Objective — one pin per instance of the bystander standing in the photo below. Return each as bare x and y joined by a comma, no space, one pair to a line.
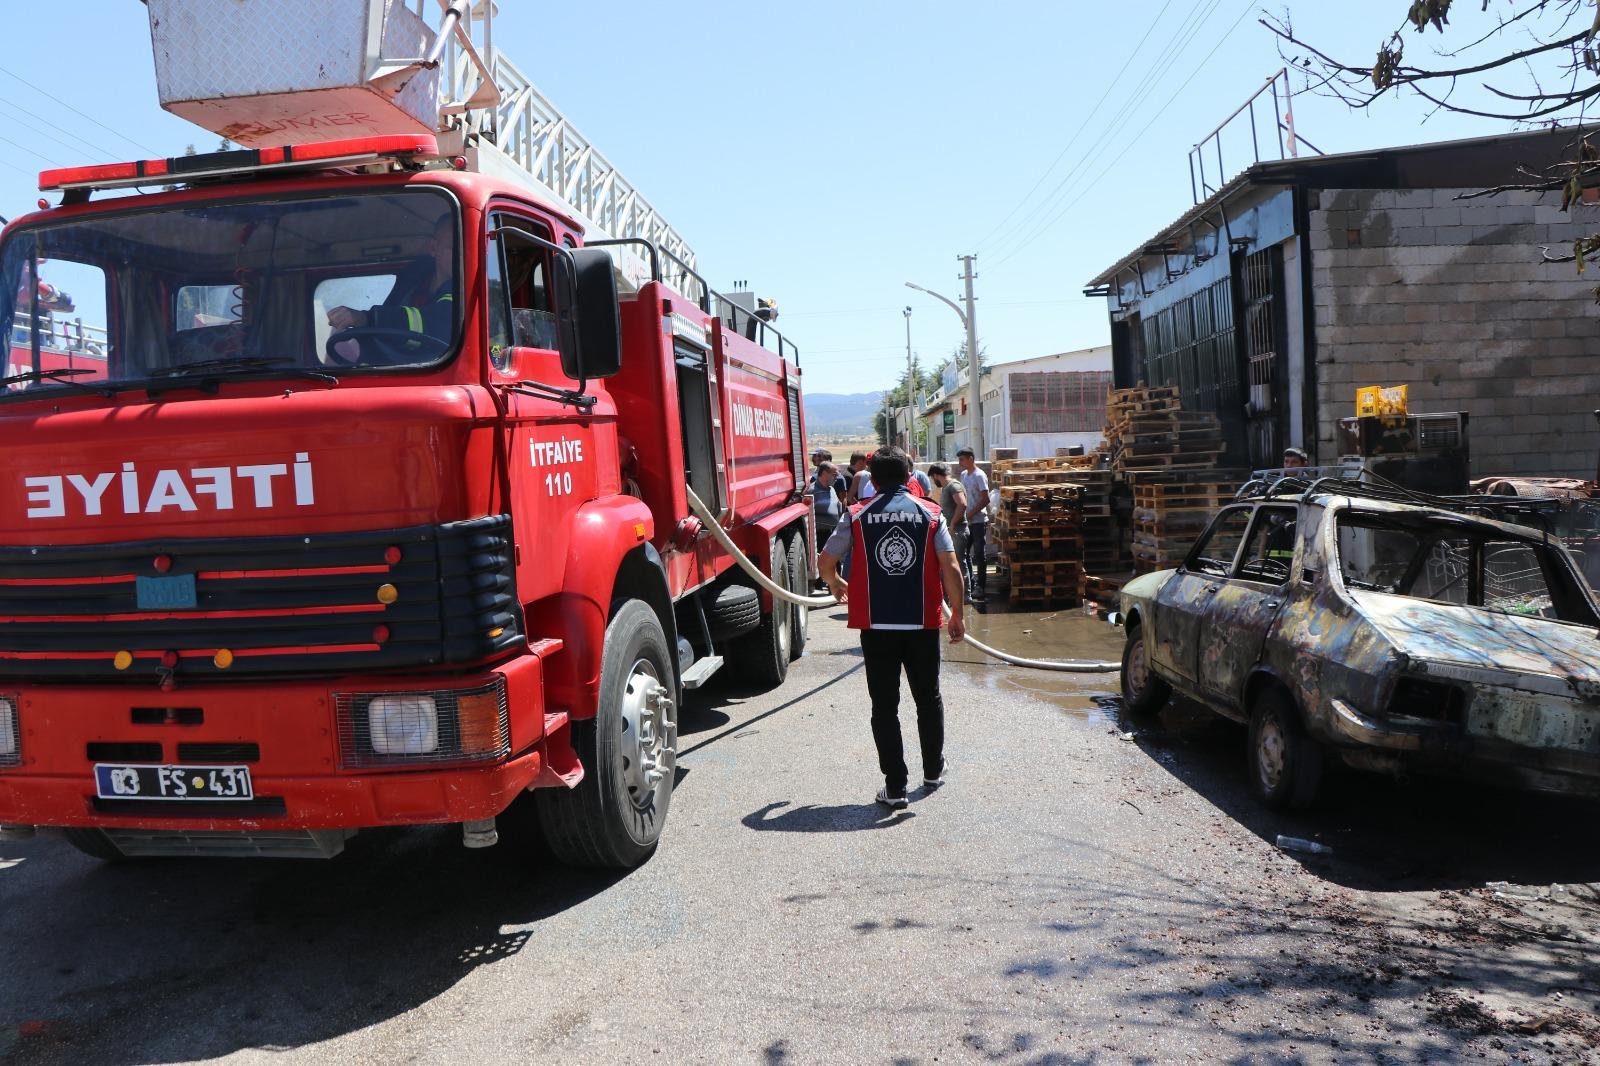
826,506
976,484
952,500
904,570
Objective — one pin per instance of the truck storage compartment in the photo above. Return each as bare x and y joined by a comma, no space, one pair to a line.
264,73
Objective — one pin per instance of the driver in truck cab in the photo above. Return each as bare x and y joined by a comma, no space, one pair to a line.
421,302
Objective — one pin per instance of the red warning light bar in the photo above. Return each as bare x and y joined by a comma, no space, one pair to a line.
320,155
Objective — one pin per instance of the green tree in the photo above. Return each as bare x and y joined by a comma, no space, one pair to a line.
927,385
957,361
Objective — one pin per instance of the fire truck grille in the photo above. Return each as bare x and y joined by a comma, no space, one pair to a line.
216,609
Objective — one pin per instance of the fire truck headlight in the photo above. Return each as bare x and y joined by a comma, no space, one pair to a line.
8,731
403,725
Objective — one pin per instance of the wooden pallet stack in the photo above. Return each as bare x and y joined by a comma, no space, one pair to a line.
1039,527
1171,509
1148,429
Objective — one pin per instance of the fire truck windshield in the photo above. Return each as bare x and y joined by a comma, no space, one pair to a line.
355,282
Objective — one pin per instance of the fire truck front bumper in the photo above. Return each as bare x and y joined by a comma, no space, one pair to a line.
279,758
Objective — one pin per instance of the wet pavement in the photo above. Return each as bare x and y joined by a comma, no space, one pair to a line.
1079,891
1063,634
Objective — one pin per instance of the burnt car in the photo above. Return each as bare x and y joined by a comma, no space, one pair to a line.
1388,631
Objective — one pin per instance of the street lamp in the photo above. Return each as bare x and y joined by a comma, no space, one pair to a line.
911,392
975,389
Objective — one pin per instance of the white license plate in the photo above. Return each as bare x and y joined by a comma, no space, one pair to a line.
173,783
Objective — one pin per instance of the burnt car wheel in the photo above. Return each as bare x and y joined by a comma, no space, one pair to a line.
1285,763
1143,693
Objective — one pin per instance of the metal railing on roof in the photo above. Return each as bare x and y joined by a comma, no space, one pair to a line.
1281,132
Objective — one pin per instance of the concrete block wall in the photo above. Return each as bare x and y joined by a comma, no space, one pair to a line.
1450,297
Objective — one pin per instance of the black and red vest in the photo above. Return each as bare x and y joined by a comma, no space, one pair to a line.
894,570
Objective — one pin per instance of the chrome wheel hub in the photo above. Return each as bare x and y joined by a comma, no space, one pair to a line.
649,733
783,612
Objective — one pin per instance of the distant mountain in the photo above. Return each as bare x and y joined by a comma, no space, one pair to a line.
841,414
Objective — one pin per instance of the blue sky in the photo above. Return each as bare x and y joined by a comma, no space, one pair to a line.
832,151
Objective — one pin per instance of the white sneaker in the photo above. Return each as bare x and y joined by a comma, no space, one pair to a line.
894,803
937,779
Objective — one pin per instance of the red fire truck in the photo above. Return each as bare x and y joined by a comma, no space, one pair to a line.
376,513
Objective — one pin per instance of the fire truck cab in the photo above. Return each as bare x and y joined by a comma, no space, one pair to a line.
374,512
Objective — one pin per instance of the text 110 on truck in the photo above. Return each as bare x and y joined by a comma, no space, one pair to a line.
373,512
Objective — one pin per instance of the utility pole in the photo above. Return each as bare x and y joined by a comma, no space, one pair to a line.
975,396
911,394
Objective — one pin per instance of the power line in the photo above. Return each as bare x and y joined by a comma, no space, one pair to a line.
80,114
33,151
1045,226
1088,116
1192,24
22,111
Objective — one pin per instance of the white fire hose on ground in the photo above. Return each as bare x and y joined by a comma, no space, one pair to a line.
709,521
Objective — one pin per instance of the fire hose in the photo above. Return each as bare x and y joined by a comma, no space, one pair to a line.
709,521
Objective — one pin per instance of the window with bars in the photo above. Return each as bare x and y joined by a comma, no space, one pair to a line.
1060,402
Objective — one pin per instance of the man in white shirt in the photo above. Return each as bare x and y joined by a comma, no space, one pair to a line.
976,485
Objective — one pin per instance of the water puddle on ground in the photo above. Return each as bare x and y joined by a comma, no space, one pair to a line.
1063,634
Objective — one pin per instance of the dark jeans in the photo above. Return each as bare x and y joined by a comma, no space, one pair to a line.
977,563
885,652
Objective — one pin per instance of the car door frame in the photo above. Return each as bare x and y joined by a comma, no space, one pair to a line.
1239,618
1181,603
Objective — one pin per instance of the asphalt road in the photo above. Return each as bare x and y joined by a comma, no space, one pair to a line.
1075,893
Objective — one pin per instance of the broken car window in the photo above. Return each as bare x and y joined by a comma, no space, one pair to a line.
1373,558
1215,552
1450,562
1271,549
1513,579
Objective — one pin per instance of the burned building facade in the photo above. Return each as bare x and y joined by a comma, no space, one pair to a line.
1299,281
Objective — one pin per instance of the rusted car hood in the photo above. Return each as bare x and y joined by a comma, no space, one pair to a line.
1535,654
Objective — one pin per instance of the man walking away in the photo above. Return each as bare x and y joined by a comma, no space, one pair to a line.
953,505
904,567
976,484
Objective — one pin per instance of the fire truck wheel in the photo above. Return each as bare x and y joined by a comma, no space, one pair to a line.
799,581
763,654
94,843
615,816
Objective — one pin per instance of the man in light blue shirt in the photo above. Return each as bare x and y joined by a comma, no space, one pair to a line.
976,485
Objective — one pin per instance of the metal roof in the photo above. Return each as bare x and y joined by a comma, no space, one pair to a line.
1469,163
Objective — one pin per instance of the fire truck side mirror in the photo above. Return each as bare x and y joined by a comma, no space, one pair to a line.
591,289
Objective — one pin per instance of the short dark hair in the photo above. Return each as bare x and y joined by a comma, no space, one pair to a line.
826,467
938,470
966,451
889,467
857,457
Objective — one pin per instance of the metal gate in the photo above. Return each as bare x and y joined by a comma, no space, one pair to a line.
1192,345
1265,362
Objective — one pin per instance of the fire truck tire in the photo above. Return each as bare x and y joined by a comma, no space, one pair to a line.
614,818
94,843
735,610
763,655
799,581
